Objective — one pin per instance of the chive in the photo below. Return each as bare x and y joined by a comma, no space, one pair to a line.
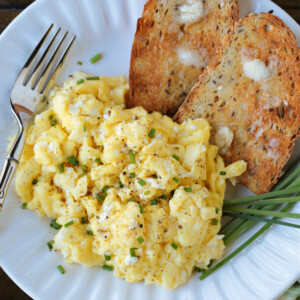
55,225
82,220
175,157
50,117
188,189
61,269
50,245
151,133
164,197
214,222
107,257
131,157
141,182
54,122
131,175
174,246
175,179
24,205
73,161
217,210
131,200
80,81
141,209
69,224
97,160
44,99
105,188
107,268
262,212
101,197
84,128
90,232
34,181
154,202
197,269
147,193
140,240
84,167
132,252
259,219
222,173
79,63
95,58
93,78
120,184
61,168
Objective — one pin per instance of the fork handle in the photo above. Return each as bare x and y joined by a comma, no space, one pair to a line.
6,176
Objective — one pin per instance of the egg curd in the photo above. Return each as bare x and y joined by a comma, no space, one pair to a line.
130,191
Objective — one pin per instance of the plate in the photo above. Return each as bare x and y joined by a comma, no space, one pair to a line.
262,271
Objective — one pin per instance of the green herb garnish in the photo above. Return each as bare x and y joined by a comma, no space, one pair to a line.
151,133
95,58
107,257
154,202
132,252
175,157
131,175
73,161
55,225
131,157
24,205
80,81
175,179
188,189
69,224
61,168
140,240
34,181
50,245
174,246
107,268
61,269
141,182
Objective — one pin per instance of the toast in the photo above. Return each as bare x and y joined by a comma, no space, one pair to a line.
174,42
250,95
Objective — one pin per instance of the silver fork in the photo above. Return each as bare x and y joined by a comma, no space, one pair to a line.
28,94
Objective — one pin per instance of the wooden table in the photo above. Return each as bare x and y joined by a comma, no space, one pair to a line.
9,9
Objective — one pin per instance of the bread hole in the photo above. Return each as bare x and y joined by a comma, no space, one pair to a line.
217,27
281,111
182,28
273,51
279,74
223,104
289,112
216,99
268,27
219,6
267,62
156,11
213,115
166,11
147,43
293,85
152,24
207,115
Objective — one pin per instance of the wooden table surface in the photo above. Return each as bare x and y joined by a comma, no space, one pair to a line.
9,9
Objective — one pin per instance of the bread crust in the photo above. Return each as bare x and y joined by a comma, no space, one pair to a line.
263,115
158,80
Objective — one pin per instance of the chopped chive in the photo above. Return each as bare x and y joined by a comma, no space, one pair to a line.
34,181
132,252
141,209
131,175
120,184
214,221
84,167
69,224
151,133
197,269
164,197
79,63
107,257
105,188
131,200
131,157
61,269
61,168
80,81
84,128
174,246
107,268
90,231
141,182
95,58
175,179
217,210
50,117
188,189
24,205
93,78
55,225
97,160
73,161
101,197
154,202
222,173
50,245
175,157
82,220
147,193
44,99
54,122
140,239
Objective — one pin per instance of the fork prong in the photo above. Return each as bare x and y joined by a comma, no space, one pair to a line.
33,70
52,74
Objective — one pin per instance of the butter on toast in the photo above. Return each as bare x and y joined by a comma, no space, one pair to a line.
250,94
174,42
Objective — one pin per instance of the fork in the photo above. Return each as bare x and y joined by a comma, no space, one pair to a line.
29,94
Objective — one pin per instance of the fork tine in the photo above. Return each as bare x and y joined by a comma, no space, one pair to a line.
48,79
33,70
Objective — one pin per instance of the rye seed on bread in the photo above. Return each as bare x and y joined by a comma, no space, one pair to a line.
174,42
252,88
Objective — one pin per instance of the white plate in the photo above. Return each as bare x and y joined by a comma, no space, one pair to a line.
263,271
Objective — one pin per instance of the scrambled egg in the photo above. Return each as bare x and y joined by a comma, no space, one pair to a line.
132,191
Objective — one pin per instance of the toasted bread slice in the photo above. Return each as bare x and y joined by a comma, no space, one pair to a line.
252,89
174,42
